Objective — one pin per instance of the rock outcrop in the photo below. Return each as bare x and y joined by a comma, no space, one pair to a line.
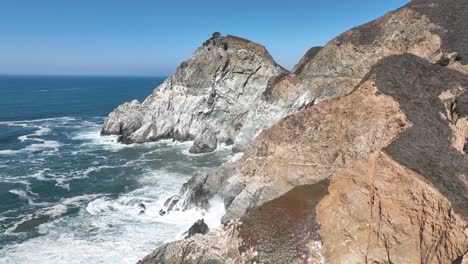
199,227
206,141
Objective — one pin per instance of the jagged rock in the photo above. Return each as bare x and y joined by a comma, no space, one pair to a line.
171,202
124,120
218,246
204,142
199,227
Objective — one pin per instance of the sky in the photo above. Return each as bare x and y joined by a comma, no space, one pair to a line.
152,37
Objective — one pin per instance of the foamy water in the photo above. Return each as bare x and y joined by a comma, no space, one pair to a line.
75,196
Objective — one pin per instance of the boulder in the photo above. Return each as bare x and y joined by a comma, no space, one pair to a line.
204,142
199,227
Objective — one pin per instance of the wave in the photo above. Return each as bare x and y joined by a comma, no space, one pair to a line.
20,122
45,144
61,208
109,230
109,227
64,89
39,132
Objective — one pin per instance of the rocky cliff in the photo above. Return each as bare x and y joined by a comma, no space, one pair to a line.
372,169
210,99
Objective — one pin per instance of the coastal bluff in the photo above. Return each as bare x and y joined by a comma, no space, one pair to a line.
358,155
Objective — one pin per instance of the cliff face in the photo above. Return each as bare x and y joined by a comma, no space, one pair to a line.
210,95
381,134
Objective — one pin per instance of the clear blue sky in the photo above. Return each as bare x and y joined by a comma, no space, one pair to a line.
152,37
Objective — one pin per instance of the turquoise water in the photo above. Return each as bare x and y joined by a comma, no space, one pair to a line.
68,195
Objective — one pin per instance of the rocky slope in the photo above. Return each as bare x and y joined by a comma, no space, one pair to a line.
398,189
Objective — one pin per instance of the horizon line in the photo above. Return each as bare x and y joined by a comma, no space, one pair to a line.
81,75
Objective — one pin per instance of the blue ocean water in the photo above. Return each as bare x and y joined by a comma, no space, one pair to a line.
69,195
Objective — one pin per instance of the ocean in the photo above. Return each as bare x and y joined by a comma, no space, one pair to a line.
69,195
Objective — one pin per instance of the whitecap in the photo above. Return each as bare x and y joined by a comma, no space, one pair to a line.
61,208
39,132
21,193
24,123
45,144
23,138
7,152
56,210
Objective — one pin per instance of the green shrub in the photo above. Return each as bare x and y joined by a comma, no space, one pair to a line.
215,35
443,61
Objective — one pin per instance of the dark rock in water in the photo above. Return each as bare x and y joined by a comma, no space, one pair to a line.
162,212
229,141
205,142
171,202
31,225
194,193
199,227
142,207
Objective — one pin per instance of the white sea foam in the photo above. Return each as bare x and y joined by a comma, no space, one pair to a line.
56,210
25,123
112,230
93,138
45,144
61,208
107,229
39,132
7,152
23,138
21,193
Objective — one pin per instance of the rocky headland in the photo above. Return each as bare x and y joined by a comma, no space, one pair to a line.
358,155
